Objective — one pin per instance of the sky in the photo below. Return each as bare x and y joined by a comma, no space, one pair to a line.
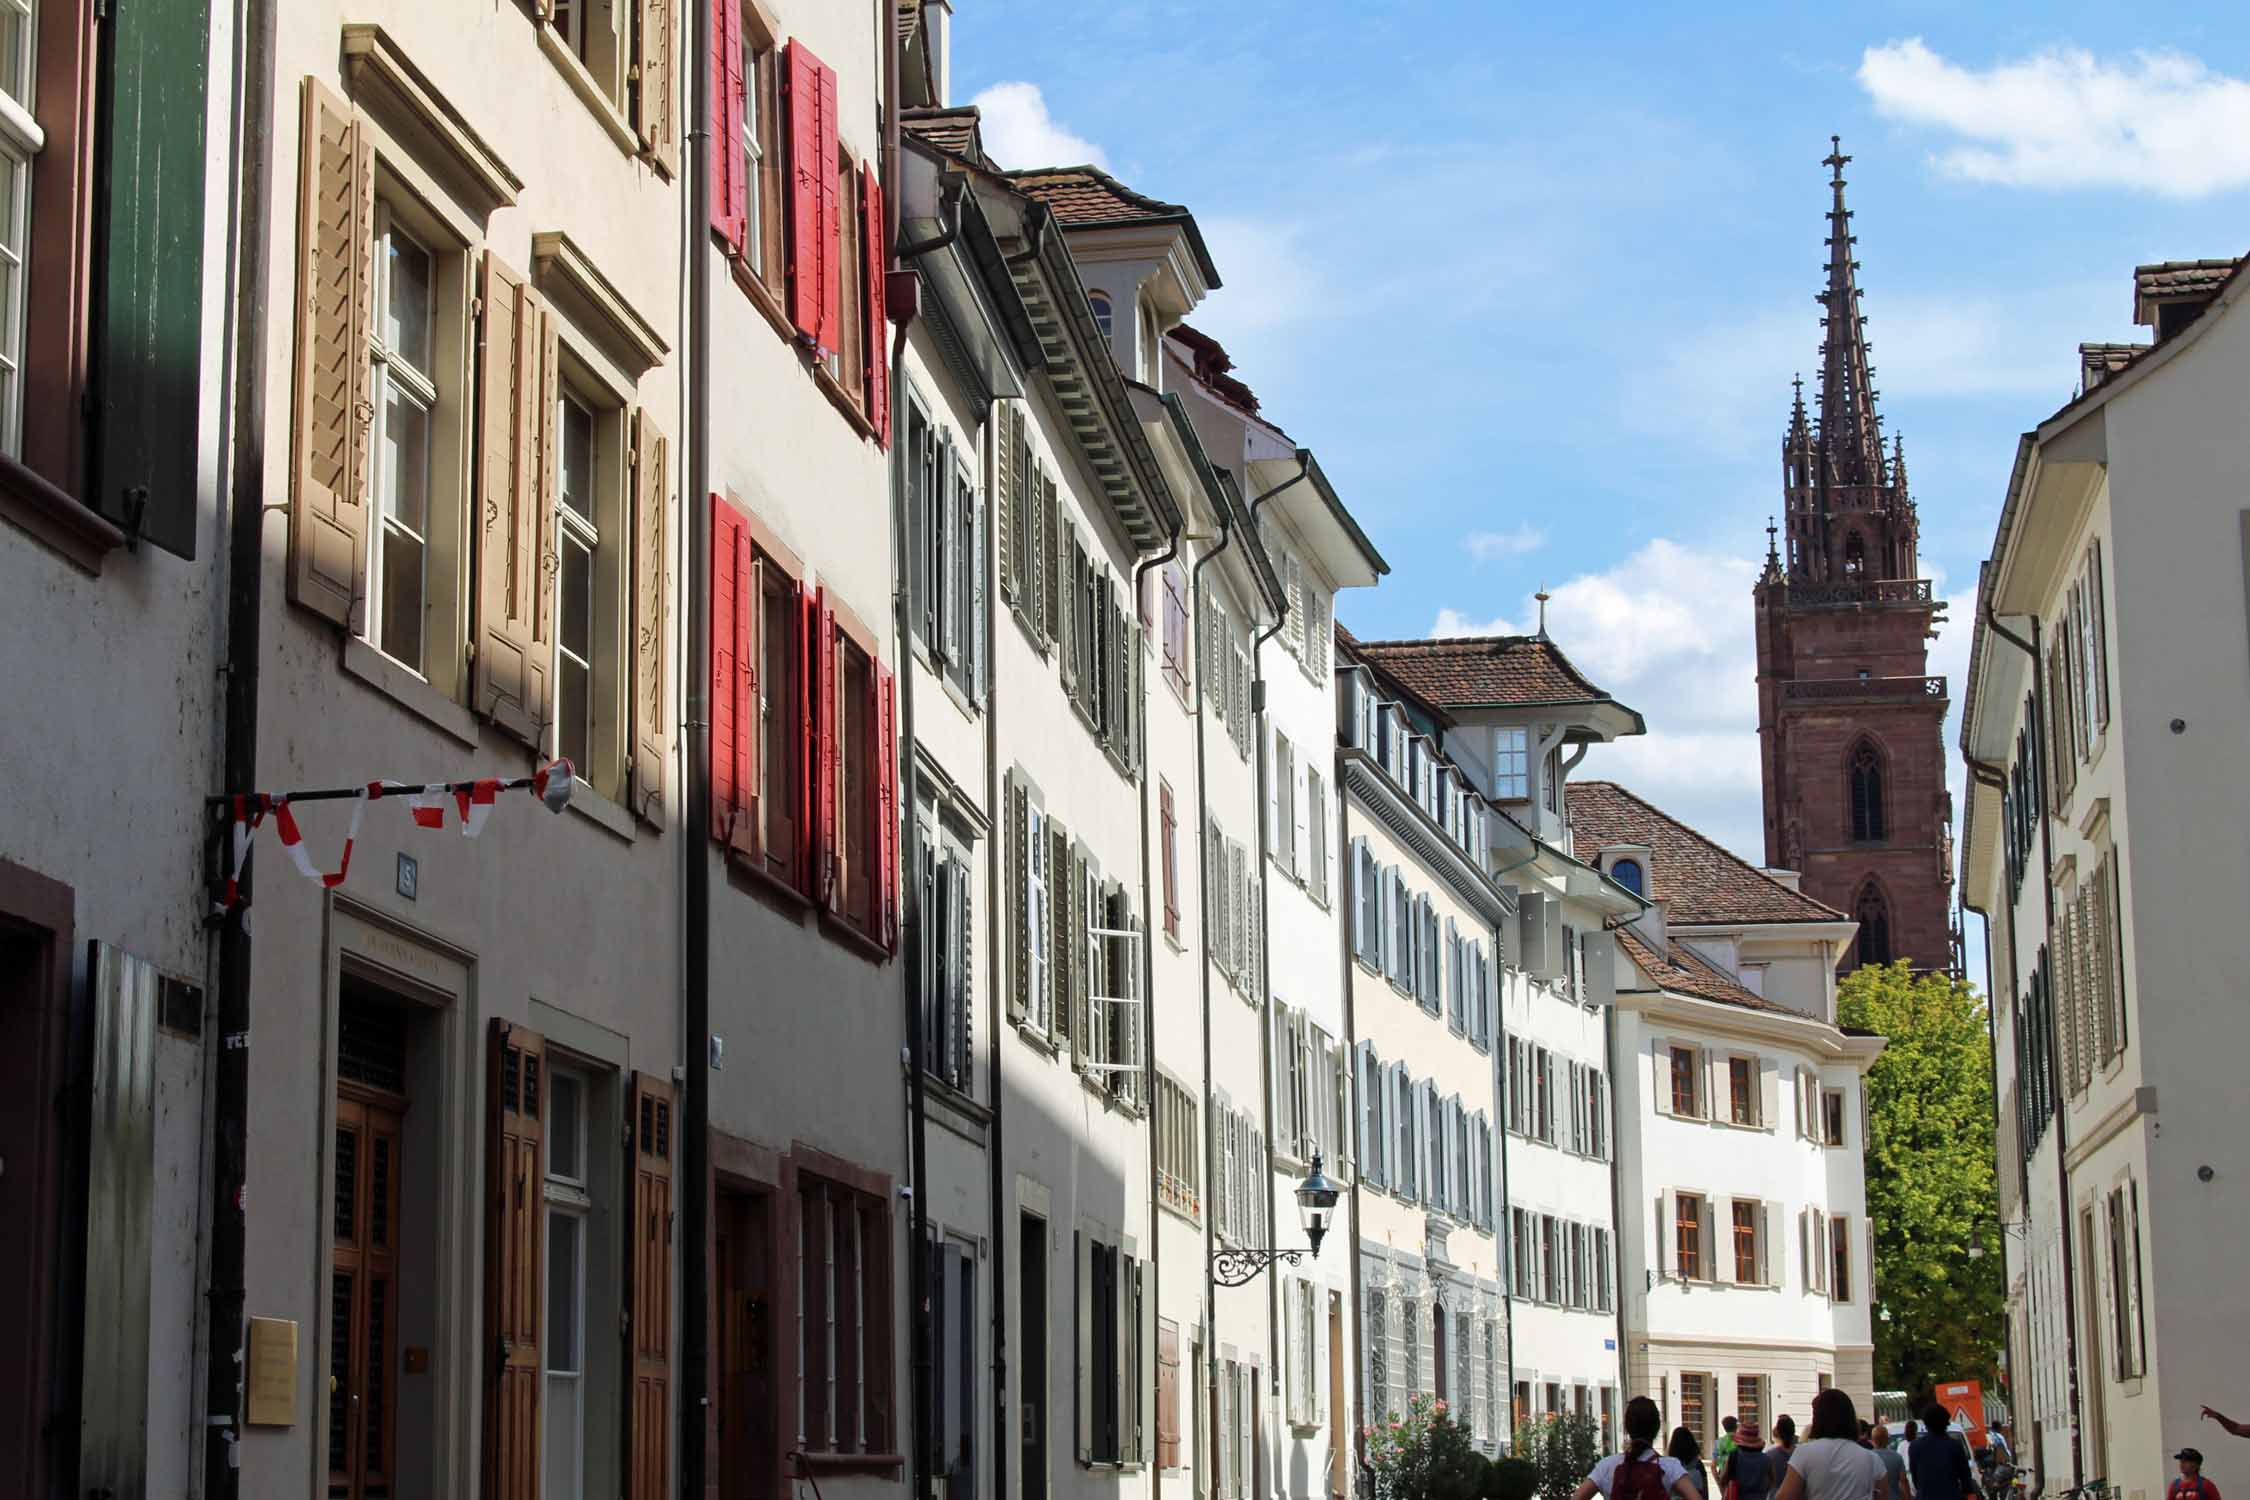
1532,281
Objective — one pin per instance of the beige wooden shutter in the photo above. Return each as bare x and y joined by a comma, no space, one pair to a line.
514,1258
331,415
1004,493
1051,560
654,84
651,493
648,1289
514,559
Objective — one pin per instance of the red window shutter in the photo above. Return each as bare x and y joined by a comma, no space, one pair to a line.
728,629
832,268
514,1258
884,769
878,260
730,204
808,168
749,830
648,1292
821,749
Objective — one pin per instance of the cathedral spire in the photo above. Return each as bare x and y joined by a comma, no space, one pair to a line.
1851,433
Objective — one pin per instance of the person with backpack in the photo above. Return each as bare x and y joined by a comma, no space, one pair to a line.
2191,1485
1746,1475
1640,1472
1831,1464
1689,1452
1938,1460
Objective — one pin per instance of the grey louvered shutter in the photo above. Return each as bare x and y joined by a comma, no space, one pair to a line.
1058,932
1019,900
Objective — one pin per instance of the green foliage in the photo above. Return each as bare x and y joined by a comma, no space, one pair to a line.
1510,1478
1562,1449
1930,1183
1424,1455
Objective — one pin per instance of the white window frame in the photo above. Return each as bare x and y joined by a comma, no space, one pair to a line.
753,156
387,367
574,528
1511,763
21,140
571,1199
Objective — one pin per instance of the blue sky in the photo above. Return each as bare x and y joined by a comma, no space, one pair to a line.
1532,281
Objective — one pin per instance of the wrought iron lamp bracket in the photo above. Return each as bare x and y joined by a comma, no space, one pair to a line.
1241,1267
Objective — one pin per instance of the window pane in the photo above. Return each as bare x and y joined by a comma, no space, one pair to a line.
578,598
15,52
563,1234
406,311
403,481
565,1107
578,458
402,596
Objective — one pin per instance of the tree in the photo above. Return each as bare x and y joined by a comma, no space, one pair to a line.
1563,1447
1930,1186
1424,1455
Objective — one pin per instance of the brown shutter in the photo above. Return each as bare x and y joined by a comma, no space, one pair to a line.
648,1289
514,558
332,416
1004,494
514,1259
652,559
1167,1395
653,84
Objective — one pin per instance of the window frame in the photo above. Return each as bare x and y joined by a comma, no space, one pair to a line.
1686,1066
22,144
1745,1091
868,1376
389,368
1834,1130
1687,1235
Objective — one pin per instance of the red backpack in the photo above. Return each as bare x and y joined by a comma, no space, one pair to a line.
1639,1478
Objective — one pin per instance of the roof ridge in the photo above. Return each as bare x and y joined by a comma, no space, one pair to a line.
1702,838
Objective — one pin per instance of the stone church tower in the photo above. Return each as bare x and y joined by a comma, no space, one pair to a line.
1850,724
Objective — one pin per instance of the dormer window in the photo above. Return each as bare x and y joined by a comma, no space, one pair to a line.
1105,316
1629,874
1511,764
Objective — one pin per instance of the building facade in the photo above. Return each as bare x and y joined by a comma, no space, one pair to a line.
2102,613
1744,1116
1849,719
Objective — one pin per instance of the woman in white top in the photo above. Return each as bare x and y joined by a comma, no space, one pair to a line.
1625,1476
1830,1464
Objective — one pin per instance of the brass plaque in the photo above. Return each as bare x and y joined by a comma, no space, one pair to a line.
273,1372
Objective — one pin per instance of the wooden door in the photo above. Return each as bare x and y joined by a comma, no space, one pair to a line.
363,1294
749,1404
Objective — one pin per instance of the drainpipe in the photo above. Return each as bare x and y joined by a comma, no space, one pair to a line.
695,849
1149,919
2055,1080
995,909
1616,1190
1203,925
1259,773
246,507
1507,1224
1993,776
1351,1049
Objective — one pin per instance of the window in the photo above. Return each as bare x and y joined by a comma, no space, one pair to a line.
1111,1303
578,537
1695,1402
592,35
1832,1117
1742,1090
1867,794
578,1266
1687,1236
1745,1215
2127,1335
1282,781
843,1319
1169,820
1874,916
1511,764
1550,780
948,577
948,901
1855,556
1315,856
404,395
1840,1256
20,141
1686,1069
1303,1315
952,1280
1749,1398
1172,580
1628,873
1104,313
1552,1264
1179,1162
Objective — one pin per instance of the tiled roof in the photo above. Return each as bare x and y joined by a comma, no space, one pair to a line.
1685,972
1485,671
2177,281
1698,882
954,129
1087,197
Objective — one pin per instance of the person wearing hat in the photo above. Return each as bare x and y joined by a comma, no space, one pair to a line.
1747,1475
2191,1485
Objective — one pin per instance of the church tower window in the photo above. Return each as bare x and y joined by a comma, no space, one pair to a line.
1867,794
1874,915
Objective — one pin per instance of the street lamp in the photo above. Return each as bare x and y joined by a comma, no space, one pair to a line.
1316,1203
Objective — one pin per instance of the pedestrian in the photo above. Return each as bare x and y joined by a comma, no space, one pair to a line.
1996,1438
1894,1466
1746,1475
2191,1485
1938,1462
1784,1444
1689,1452
1830,1464
1725,1450
1640,1472
1866,1433
2239,1429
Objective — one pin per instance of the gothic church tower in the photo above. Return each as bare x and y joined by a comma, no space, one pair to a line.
1850,724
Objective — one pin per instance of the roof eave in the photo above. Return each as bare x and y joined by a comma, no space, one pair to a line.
1349,558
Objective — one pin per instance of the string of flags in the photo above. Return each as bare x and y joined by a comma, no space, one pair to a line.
469,802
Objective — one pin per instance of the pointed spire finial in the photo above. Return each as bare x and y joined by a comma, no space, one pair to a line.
1773,553
1835,159
1542,596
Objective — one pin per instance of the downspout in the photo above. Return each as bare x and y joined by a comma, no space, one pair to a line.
246,516
695,818
1260,773
1616,1189
1344,930
1986,774
1149,919
996,1184
2031,649
1203,925
1507,1224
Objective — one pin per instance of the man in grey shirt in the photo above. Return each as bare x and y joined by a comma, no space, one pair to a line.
1895,1485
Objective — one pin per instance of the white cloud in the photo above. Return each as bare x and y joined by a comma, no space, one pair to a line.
1268,277
2158,122
1667,631
1019,132
1485,546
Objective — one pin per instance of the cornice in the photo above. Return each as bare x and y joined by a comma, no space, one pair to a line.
1413,828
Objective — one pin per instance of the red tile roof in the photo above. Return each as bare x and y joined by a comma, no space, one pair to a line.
1488,671
1698,882
1685,972
955,129
1088,195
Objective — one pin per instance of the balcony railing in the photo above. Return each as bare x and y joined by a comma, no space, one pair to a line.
1862,689
1868,592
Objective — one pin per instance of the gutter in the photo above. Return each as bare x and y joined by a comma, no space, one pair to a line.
1260,773
695,847
254,25
2054,1061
